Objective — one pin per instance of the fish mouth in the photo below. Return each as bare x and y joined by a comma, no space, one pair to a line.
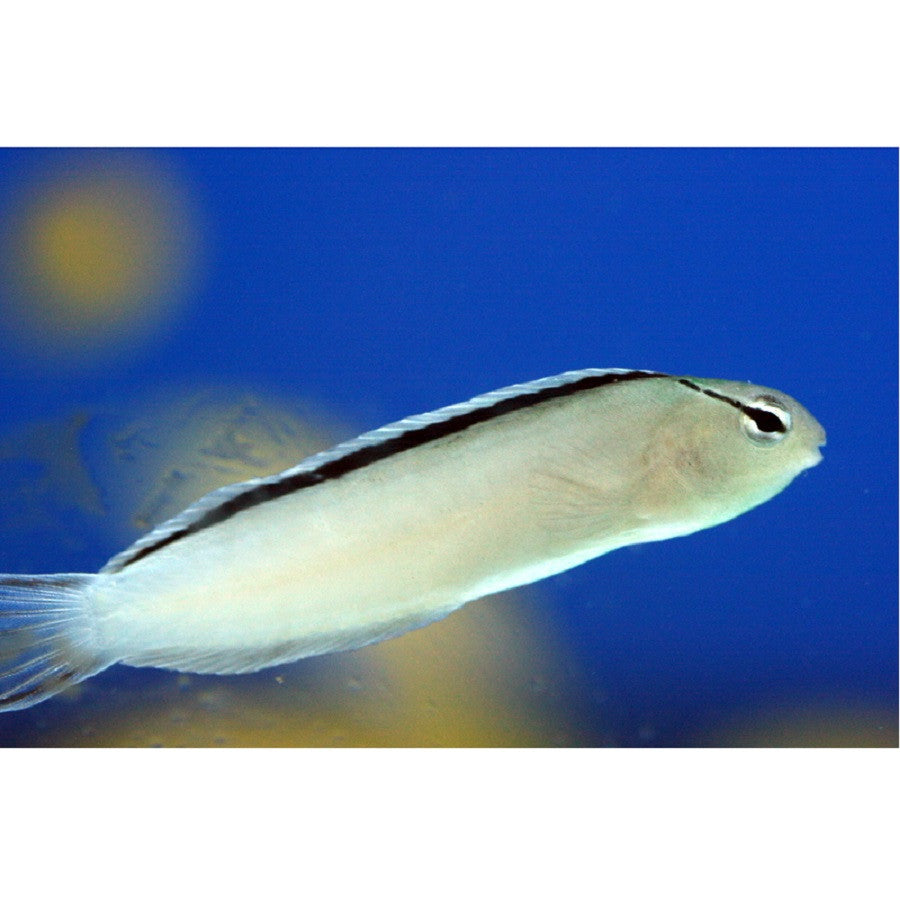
816,454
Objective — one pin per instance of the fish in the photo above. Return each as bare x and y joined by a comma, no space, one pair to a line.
400,526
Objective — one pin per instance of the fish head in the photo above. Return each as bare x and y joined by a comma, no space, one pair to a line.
725,447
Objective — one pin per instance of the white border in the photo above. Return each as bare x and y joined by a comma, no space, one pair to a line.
774,72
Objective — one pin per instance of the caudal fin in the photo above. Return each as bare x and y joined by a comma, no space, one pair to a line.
45,637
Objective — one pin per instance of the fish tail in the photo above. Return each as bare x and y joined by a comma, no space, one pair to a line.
46,637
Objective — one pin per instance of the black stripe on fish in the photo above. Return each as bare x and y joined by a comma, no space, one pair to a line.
366,455
765,420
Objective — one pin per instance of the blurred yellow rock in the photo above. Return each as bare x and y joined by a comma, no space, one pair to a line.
96,252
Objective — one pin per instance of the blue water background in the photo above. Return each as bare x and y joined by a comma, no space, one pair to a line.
381,283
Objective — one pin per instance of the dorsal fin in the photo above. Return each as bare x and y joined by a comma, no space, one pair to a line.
410,432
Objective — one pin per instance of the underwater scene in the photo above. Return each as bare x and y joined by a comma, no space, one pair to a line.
173,321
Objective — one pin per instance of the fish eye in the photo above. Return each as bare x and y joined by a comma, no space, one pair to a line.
765,421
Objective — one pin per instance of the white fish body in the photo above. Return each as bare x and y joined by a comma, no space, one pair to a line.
399,527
